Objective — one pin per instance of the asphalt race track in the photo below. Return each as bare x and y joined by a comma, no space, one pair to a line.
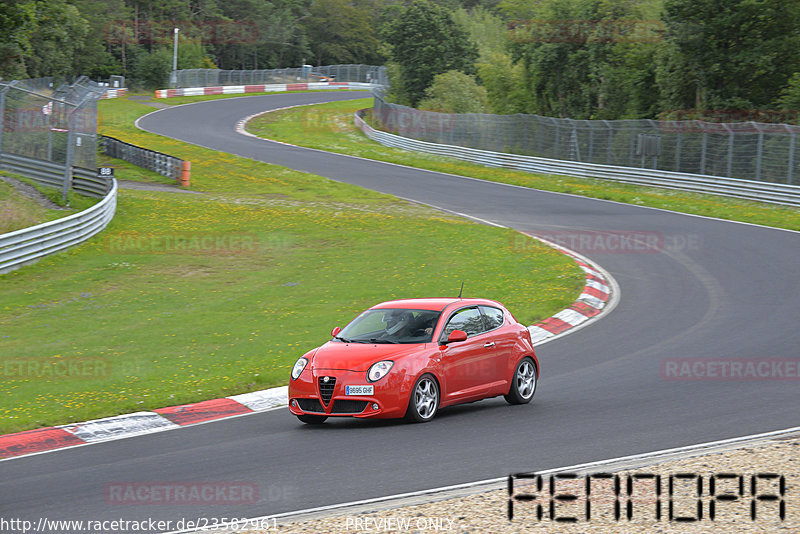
715,290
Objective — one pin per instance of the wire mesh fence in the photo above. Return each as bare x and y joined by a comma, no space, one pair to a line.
52,124
748,150
307,74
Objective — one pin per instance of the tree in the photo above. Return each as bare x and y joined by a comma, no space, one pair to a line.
18,22
586,59
455,92
425,42
734,53
790,96
60,31
485,29
340,32
505,84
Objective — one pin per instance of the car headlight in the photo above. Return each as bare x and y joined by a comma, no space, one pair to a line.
379,370
298,367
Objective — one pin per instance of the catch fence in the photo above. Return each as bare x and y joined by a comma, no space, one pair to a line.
49,133
339,73
762,152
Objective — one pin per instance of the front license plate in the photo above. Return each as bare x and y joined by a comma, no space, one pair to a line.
358,390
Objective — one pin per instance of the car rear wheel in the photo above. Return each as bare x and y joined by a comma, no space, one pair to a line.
523,385
312,419
424,401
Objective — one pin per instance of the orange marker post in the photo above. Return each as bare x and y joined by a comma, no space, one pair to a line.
183,181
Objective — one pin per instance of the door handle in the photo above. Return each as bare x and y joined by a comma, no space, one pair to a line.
488,345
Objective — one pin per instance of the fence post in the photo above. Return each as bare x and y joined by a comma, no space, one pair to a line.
3,113
558,135
730,150
632,147
760,151
68,162
703,152
791,158
678,151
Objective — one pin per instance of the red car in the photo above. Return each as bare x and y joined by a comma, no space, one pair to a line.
408,358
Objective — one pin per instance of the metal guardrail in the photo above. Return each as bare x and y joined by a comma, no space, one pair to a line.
84,181
732,187
163,164
30,244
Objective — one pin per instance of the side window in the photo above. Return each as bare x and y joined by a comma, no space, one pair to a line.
494,317
469,320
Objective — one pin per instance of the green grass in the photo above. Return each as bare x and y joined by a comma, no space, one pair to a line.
17,211
146,324
330,127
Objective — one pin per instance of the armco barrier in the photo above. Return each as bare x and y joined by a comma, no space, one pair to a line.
163,164
30,244
84,181
732,187
240,89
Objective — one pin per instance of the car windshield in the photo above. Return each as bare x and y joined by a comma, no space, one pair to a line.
393,325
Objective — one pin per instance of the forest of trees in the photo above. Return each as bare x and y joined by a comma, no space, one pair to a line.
584,59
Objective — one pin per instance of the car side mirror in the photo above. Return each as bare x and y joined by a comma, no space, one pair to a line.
335,331
457,336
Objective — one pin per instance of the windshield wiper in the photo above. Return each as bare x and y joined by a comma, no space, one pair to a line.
343,339
372,340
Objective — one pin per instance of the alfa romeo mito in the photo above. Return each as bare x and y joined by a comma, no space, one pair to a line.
409,358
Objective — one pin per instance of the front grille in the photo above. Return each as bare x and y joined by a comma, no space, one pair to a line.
348,406
310,405
326,389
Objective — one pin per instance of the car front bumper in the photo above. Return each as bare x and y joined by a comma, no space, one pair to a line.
310,394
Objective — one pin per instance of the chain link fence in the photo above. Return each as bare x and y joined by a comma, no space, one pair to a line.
337,73
42,126
748,150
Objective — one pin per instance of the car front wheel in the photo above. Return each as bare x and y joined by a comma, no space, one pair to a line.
523,385
312,419
424,400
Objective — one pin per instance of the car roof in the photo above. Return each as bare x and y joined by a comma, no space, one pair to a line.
437,304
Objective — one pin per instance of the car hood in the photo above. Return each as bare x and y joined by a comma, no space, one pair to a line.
359,356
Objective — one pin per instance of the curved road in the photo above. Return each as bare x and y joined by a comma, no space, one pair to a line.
731,294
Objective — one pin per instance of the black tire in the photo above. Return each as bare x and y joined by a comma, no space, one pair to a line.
424,401
523,384
312,419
